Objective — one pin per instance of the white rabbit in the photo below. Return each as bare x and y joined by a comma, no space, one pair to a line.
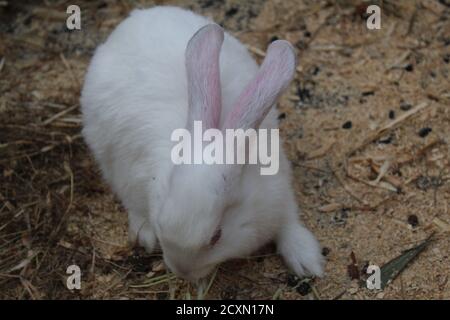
159,71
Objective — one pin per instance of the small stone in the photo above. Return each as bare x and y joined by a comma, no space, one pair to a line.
274,38
386,140
391,114
347,125
282,116
368,93
315,70
424,132
304,288
423,183
413,220
409,67
326,251
231,12
292,280
447,58
304,94
404,106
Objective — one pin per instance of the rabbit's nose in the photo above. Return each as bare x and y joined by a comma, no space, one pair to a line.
181,271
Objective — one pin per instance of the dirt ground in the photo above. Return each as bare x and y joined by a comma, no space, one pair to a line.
366,124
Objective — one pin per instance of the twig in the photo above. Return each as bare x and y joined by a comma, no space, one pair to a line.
256,51
348,189
59,114
412,20
2,63
115,283
421,152
213,277
72,74
70,173
399,61
390,126
45,149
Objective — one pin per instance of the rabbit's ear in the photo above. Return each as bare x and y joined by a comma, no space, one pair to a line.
203,76
261,93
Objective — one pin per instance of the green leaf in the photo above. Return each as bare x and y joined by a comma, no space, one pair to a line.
392,269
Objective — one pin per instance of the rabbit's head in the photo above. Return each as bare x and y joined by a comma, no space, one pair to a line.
202,219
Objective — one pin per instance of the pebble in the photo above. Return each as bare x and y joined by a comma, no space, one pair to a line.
386,140
447,58
304,288
326,251
413,220
231,12
274,38
391,114
368,93
405,106
292,280
409,67
347,125
424,132
282,116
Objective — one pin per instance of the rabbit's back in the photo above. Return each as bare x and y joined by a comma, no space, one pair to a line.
135,95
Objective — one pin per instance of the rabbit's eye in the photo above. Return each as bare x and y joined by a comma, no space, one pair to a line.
216,237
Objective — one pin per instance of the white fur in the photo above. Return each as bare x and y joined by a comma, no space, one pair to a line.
135,95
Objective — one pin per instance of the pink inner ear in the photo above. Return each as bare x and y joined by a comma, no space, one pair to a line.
203,76
274,76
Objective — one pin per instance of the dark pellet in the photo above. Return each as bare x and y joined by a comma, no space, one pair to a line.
409,67
315,70
368,93
274,38
304,94
304,288
282,116
391,114
413,220
231,12
424,132
447,58
292,280
423,183
207,3
405,106
386,140
307,34
347,125
326,251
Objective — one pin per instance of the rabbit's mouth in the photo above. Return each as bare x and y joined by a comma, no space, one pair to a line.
190,274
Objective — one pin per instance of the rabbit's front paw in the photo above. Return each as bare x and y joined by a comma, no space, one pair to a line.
301,250
141,233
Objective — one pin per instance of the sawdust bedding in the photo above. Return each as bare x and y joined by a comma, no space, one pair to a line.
365,124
